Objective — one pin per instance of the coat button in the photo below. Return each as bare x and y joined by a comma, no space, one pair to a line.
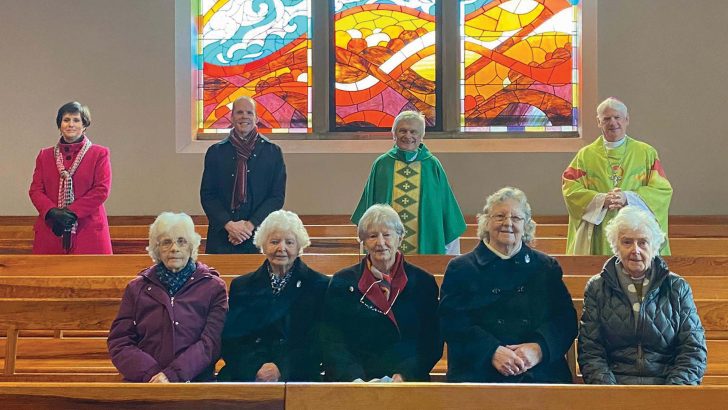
521,289
232,175
500,321
149,288
176,323
192,278
258,340
496,291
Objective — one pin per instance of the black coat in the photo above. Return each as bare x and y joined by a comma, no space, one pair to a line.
487,302
662,344
266,191
362,343
263,328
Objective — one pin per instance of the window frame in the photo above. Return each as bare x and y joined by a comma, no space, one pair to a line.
449,140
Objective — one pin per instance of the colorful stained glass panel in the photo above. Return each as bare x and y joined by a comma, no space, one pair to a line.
256,48
518,69
385,58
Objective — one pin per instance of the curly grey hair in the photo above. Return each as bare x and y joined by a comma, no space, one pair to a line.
282,221
501,195
173,225
634,218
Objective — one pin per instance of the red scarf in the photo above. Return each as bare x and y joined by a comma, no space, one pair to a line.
395,281
243,148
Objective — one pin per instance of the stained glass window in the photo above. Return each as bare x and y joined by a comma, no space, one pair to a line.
384,54
258,48
518,69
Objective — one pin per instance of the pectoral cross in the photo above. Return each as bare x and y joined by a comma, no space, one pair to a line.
615,179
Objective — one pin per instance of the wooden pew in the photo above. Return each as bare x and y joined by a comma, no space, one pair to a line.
352,396
48,283
350,245
44,314
128,265
140,232
60,396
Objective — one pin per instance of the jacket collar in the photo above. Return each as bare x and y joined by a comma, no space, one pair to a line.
201,271
659,266
261,137
485,256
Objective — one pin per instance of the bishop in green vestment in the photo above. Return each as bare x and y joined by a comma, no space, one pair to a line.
608,174
410,179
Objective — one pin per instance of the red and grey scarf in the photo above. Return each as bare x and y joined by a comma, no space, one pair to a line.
382,293
243,149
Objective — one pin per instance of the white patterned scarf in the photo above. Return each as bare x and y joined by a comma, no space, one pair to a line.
65,185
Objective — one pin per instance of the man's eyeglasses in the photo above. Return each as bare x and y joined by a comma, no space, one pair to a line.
501,218
166,244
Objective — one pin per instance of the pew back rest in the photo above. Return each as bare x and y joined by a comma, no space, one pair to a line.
56,314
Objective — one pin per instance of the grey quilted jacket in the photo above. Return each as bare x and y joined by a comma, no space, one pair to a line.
666,345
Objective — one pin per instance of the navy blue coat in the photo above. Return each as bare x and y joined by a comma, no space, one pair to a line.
263,328
360,342
487,302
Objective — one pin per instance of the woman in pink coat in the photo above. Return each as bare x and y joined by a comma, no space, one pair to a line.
71,181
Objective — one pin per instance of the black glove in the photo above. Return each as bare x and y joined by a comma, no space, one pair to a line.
57,228
67,218
62,220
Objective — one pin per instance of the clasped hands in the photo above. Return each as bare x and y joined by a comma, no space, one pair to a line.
239,231
615,199
512,360
62,220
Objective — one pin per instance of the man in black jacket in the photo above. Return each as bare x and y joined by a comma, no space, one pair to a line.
244,180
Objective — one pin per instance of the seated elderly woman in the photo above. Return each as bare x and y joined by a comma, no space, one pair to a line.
380,315
639,324
144,344
271,332
505,312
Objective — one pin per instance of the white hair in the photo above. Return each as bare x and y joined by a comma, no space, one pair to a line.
614,104
282,221
172,224
634,218
414,116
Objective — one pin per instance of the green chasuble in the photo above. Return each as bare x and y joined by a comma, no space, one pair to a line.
635,167
421,195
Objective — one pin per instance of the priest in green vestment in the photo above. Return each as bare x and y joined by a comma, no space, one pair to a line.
608,174
410,179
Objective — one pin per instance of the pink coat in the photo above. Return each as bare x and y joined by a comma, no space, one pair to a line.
91,187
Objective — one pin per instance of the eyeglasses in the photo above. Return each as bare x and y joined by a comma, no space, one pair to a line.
374,308
166,244
501,218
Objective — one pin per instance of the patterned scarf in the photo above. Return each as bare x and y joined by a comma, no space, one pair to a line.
173,281
278,283
383,296
243,148
65,185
